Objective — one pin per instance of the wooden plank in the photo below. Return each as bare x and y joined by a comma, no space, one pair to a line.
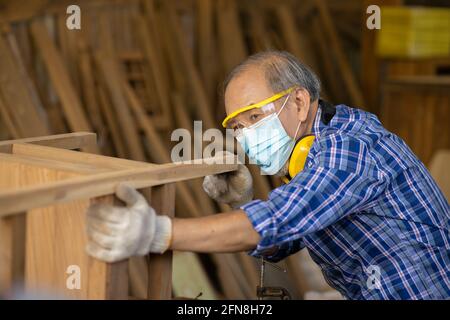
55,164
186,60
13,201
106,280
156,66
74,140
17,93
231,38
352,85
67,40
112,78
12,253
160,265
69,156
206,46
8,121
295,39
59,76
111,122
88,88
56,239
258,31
17,11
330,76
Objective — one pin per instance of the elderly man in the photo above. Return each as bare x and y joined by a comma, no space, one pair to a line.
355,195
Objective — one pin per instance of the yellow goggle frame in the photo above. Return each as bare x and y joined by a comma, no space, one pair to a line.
256,105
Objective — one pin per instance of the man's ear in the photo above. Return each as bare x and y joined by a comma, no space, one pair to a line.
302,101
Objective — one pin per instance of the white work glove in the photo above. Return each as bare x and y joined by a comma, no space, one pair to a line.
118,232
233,188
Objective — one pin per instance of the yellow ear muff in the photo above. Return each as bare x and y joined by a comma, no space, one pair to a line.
299,155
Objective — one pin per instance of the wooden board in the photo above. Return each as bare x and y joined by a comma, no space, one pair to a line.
418,110
111,76
160,266
16,92
74,140
104,183
58,73
55,240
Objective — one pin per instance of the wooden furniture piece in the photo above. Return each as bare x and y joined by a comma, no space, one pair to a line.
417,108
45,190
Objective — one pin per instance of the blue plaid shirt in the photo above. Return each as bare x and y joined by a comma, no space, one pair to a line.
366,208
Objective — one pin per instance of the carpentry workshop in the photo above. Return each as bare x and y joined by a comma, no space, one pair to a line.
192,150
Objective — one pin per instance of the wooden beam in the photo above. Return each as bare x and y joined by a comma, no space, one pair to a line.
296,40
74,140
329,29
160,265
88,88
156,66
59,76
112,76
230,35
206,45
189,69
69,156
12,252
17,92
54,164
8,121
19,11
111,123
14,201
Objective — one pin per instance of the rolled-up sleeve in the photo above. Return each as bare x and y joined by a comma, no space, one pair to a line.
313,200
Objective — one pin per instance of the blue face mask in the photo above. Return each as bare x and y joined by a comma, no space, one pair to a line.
267,144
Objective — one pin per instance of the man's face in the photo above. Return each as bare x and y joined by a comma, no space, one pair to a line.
251,87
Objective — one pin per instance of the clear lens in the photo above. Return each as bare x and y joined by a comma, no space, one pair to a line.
250,117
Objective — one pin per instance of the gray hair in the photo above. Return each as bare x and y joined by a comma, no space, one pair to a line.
282,71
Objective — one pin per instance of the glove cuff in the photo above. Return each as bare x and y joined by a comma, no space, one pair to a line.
163,235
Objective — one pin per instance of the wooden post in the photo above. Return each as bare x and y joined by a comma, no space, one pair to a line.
160,266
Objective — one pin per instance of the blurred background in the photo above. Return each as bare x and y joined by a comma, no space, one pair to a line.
138,69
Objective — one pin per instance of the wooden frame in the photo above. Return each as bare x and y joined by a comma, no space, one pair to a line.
44,193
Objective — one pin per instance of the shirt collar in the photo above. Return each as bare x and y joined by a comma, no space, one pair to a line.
315,130
324,114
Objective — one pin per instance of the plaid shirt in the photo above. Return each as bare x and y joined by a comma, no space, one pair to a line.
366,208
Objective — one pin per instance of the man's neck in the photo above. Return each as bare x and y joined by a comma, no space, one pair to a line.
311,116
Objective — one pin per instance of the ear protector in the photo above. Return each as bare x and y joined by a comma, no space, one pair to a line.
298,157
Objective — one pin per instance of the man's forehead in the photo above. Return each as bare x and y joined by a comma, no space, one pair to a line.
247,88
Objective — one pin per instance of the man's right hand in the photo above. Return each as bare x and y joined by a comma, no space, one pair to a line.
233,188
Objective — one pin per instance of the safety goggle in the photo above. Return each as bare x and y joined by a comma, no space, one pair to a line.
249,115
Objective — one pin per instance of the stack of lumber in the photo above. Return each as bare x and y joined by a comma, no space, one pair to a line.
139,69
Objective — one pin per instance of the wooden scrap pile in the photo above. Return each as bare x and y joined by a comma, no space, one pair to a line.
139,69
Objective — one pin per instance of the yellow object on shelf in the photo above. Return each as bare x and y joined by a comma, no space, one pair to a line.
414,32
